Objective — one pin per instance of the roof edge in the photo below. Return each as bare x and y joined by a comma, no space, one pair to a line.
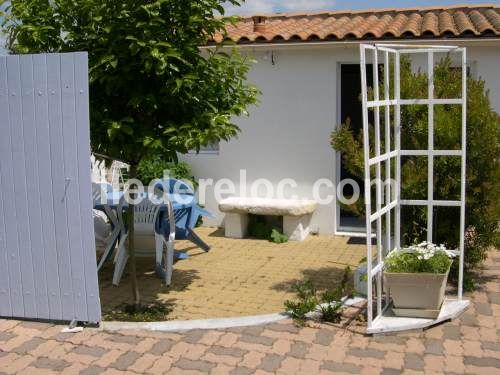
370,11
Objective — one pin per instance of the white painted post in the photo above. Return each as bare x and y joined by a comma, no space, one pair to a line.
430,144
387,149
378,176
397,146
463,182
366,149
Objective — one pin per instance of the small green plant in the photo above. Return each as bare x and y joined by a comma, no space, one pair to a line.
154,312
259,228
278,237
329,303
422,258
307,301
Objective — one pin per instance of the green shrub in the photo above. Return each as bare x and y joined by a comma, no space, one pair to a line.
483,171
152,168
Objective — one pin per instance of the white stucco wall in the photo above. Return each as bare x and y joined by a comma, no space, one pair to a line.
288,134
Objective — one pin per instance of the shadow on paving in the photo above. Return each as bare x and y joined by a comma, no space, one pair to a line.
322,278
151,288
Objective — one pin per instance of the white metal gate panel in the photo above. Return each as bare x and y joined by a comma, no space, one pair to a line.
384,203
47,249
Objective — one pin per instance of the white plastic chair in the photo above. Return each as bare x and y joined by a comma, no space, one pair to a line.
105,237
147,241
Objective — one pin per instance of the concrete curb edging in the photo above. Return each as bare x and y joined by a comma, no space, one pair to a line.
184,325
216,323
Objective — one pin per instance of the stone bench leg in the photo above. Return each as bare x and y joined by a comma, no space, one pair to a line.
296,227
235,225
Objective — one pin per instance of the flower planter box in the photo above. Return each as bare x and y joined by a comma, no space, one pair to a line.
417,295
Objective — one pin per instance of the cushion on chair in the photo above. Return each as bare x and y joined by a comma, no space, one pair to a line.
102,228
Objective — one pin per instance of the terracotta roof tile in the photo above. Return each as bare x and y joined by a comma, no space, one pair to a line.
455,21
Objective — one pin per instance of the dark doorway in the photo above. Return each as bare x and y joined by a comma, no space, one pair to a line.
350,108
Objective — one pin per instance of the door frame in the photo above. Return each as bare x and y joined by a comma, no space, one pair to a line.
342,230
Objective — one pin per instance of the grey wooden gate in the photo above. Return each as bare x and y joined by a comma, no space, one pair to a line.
47,250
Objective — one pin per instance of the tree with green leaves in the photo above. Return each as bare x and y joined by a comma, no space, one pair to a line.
483,171
153,90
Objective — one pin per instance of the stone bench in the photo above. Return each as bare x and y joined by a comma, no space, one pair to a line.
296,215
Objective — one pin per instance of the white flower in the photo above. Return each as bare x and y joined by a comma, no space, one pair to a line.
426,250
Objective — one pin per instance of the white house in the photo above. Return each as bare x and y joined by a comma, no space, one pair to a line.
307,68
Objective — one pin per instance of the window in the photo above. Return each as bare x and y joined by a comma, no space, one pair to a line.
211,148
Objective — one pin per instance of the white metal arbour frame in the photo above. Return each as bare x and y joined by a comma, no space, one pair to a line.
383,321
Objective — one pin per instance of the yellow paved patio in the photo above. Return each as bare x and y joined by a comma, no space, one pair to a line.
237,277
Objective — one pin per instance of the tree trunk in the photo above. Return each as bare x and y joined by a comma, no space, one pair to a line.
131,246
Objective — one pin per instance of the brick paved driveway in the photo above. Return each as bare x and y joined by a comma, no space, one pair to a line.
468,345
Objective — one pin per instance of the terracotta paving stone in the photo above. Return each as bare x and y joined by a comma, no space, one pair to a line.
271,362
454,364
252,360
199,365
227,339
14,342
297,349
143,363
239,370
195,351
161,346
434,362
488,334
452,347
145,344
281,346
75,368
341,367
413,361
92,370
222,369
51,364
394,360
161,365
472,348
218,358
324,337
6,324
370,370
18,364
25,330
124,361
6,336
37,371
109,358
477,370
469,333
290,365
415,346
210,338
253,347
